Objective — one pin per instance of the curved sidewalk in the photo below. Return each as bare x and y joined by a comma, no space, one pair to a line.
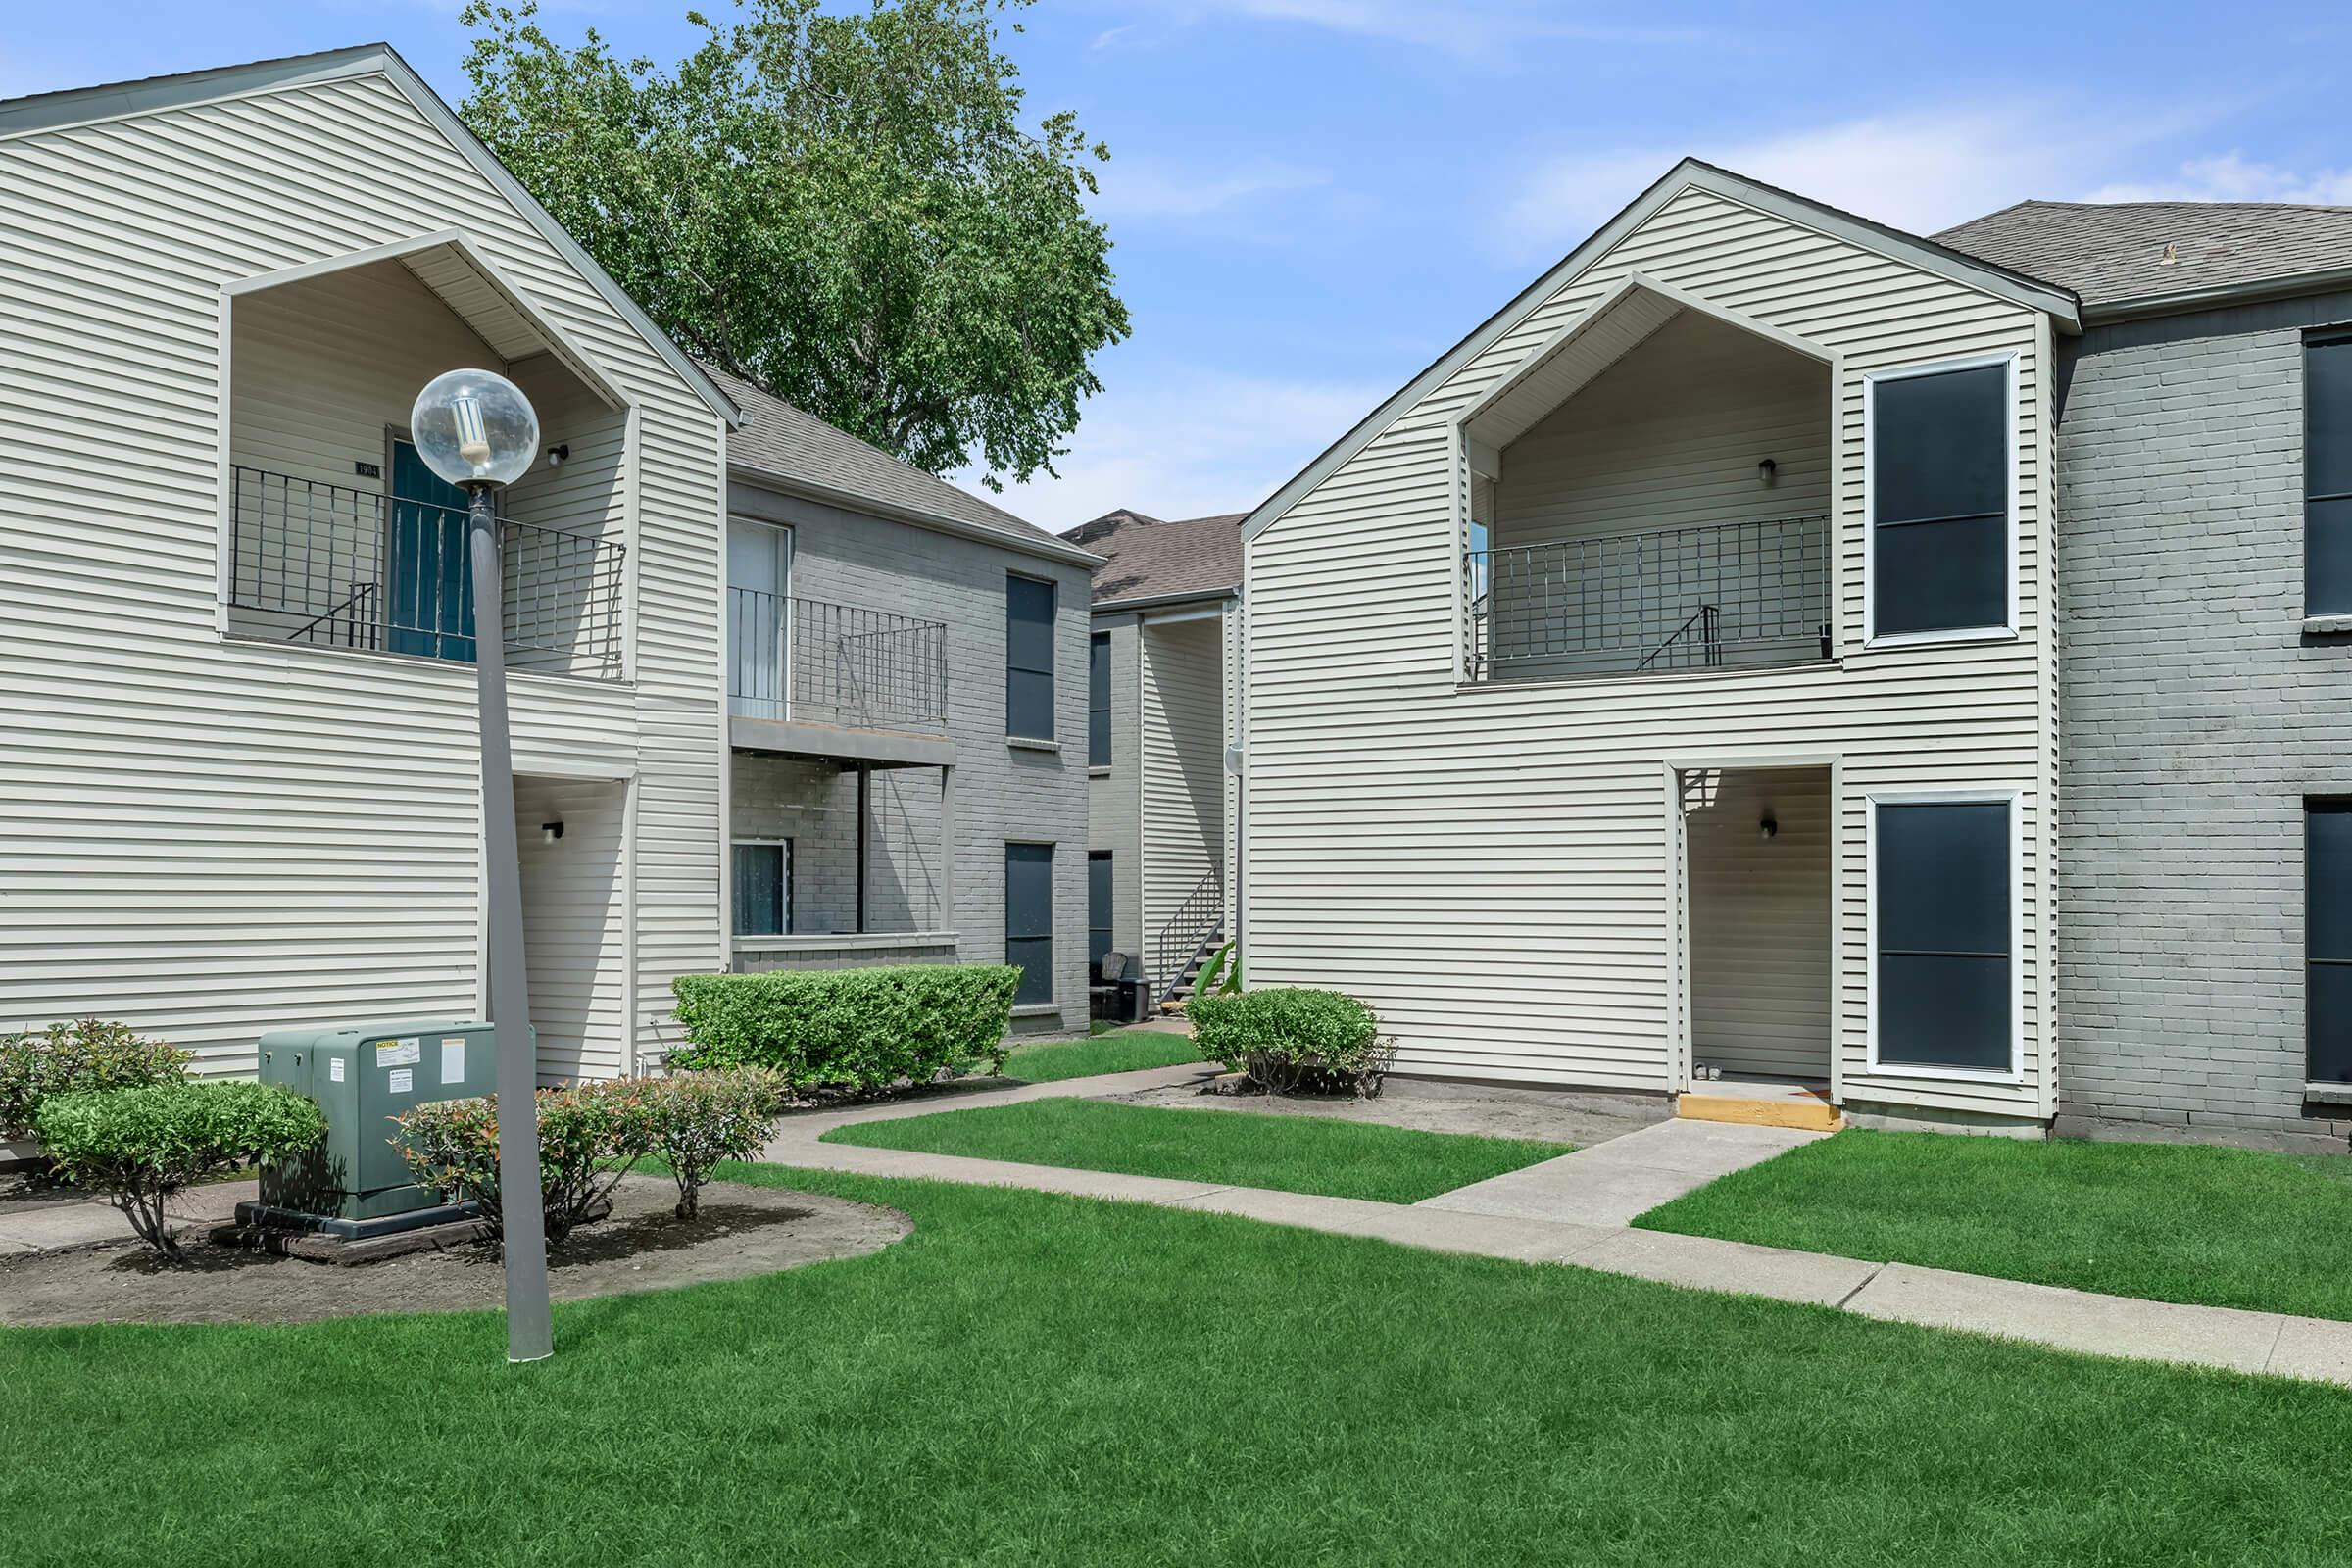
1510,1217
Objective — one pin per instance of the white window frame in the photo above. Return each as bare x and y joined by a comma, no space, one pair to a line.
742,841
2014,800
2007,359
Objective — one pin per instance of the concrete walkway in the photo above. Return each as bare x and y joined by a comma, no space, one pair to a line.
1574,1211
1610,1183
28,1228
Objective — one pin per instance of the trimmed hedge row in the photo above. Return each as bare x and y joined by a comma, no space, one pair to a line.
856,1029
1291,1037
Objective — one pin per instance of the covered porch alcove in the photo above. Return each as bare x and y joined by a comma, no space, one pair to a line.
335,535
1650,491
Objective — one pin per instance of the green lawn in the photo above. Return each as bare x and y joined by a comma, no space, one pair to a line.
2222,1227
1051,1060
1238,1147
1032,1380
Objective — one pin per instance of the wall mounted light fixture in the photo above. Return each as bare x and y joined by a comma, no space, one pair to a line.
1768,472
559,454
551,831
1767,828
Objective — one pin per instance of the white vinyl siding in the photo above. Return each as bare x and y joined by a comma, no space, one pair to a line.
319,808
1487,867
1183,766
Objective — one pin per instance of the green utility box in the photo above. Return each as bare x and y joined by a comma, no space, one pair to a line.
361,1075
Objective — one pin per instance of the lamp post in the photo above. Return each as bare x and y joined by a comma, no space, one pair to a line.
477,431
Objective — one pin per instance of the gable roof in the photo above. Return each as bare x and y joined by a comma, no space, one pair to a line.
782,447
1149,561
1974,271
2115,253
81,106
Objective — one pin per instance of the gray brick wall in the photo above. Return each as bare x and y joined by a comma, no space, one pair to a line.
2195,717
1002,793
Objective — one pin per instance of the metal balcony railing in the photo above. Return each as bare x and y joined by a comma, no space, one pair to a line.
828,664
1722,595
330,567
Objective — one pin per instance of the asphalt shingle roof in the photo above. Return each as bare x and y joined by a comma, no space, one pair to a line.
1147,558
779,439
2109,251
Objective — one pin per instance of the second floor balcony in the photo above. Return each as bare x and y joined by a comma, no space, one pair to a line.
329,566
813,663
1717,596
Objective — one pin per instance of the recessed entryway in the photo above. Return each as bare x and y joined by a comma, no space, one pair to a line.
1756,949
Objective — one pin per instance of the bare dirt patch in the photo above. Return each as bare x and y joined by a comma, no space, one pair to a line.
1567,1119
741,1232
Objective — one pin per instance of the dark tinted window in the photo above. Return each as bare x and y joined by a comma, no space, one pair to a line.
1944,936
762,893
1029,918
1939,501
2328,938
1097,700
1097,913
2327,476
1029,657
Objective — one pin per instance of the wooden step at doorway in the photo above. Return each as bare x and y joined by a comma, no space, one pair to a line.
1760,1103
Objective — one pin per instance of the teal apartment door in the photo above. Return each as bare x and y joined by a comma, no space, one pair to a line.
431,598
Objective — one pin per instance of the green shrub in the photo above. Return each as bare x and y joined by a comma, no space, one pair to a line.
70,1058
590,1136
140,1145
593,1133
855,1029
700,1119
1291,1037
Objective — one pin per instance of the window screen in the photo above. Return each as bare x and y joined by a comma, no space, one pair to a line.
1939,501
1029,659
1097,913
2327,476
2327,939
762,890
1944,936
1029,918
1097,700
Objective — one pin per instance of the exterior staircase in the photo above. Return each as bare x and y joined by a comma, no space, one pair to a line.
1176,996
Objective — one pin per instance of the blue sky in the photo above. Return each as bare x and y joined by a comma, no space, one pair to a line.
1311,199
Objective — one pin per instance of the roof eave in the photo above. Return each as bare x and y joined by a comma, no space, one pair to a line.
764,478
2181,302
1189,596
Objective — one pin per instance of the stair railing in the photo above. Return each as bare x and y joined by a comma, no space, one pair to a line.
1187,936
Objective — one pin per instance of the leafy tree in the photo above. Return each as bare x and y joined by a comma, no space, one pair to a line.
847,210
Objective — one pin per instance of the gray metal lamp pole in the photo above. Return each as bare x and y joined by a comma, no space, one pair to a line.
477,430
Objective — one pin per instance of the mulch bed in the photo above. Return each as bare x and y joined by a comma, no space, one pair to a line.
741,1232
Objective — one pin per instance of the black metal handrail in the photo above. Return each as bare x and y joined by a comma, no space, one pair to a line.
1186,934
830,664
1707,596
326,564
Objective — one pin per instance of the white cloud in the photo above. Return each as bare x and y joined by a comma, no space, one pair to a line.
1916,170
2232,178
1185,442
1486,30
1144,189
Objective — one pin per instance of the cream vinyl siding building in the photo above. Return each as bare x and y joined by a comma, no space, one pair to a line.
238,757
1573,735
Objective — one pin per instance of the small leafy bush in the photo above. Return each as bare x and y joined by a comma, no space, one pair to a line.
856,1029
140,1145
700,1119
593,1133
590,1136
76,1057
1293,1037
